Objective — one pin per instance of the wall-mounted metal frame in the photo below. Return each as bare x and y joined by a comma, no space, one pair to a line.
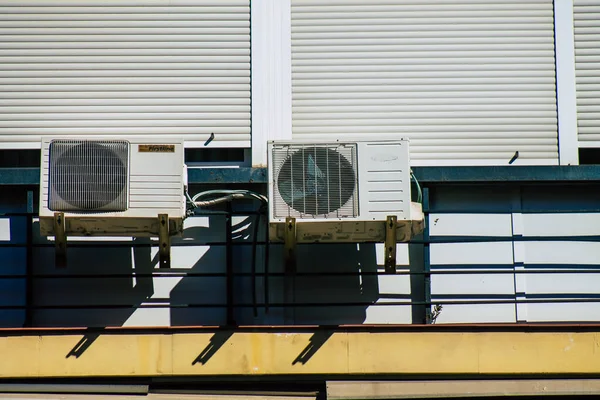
435,175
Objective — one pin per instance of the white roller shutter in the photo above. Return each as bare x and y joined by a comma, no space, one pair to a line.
125,67
469,81
587,70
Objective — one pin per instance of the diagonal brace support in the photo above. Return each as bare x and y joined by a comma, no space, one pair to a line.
60,240
390,244
164,242
290,245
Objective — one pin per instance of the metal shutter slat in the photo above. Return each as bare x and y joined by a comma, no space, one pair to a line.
469,83
128,67
587,66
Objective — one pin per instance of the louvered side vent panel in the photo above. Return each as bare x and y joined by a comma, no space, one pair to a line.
315,181
88,175
385,180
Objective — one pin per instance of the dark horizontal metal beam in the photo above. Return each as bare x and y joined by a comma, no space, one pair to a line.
516,174
475,174
227,175
19,176
427,175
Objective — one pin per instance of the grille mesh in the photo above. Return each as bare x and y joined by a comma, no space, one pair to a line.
88,175
315,181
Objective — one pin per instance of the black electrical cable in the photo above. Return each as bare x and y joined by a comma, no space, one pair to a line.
229,266
266,270
254,245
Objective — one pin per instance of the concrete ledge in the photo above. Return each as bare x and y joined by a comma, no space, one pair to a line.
320,353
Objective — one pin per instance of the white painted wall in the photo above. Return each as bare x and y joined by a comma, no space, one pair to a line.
470,260
564,44
487,254
550,255
271,75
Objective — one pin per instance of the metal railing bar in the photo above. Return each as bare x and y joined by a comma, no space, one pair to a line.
432,240
300,274
308,305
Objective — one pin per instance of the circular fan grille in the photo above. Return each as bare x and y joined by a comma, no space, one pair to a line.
316,180
89,176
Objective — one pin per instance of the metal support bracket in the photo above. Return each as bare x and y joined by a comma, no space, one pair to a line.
164,242
289,254
390,244
60,240
290,245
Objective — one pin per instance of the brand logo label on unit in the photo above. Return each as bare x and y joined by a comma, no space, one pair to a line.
156,148
384,157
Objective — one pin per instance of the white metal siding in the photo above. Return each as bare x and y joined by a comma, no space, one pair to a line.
127,67
469,81
587,70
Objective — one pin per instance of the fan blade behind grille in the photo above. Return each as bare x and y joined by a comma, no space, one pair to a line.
316,181
88,175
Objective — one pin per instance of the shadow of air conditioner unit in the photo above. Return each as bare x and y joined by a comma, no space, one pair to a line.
334,191
107,187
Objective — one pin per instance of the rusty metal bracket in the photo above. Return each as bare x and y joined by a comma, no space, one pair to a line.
390,244
60,240
290,245
164,242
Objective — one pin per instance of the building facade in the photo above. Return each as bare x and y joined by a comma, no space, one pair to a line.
500,102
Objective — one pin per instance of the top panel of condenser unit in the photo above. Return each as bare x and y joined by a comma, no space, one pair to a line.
358,140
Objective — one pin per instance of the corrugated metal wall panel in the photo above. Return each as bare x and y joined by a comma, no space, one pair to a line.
470,82
587,69
133,67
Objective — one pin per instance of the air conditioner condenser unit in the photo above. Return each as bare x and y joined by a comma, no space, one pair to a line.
334,191
95,186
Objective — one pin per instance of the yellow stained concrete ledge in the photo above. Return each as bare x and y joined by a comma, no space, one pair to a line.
248,353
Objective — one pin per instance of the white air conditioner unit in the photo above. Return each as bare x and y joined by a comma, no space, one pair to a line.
96,186
341,191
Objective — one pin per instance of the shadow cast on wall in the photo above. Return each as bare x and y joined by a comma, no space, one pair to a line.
335,284
217,341
97,288
13,253
338,282
201,300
